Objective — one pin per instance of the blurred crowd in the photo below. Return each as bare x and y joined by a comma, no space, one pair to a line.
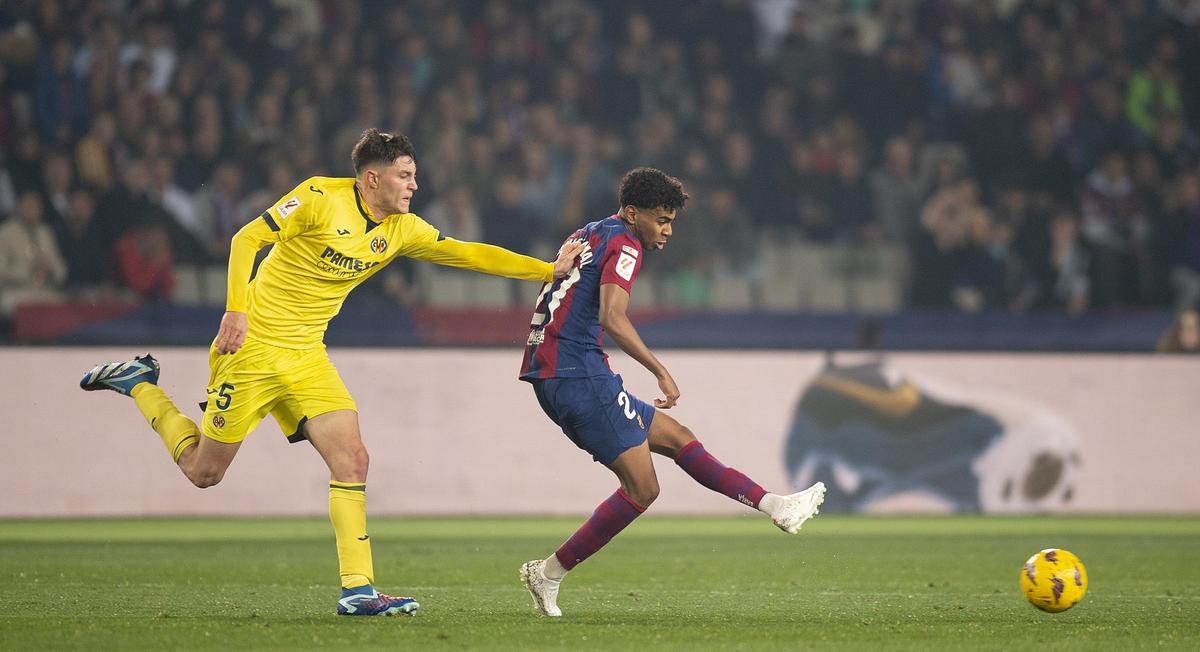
1026,155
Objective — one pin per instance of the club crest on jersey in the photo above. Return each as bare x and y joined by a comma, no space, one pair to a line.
378,244
218,421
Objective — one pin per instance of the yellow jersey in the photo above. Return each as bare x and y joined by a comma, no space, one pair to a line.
327,242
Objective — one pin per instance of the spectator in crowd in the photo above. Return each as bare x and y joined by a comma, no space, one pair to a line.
1175,148
506,217
952,268
56,187
896,192
25,160
1043,169
543,186
1027,244
81,242
144,262
60,97
1112,229
153,49
97,151
850,200
732,238
1154,92
31,266
1103,127
1064,278
177,202
218,210
454,214
1183,336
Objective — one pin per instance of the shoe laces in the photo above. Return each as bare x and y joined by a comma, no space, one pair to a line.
383,598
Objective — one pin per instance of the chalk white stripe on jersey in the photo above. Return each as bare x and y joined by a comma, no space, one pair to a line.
538,317
557,297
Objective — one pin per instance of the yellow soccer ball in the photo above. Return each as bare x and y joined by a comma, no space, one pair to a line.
1054,580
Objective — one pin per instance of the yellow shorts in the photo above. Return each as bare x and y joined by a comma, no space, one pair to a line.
292,385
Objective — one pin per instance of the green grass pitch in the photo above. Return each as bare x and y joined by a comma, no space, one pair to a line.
666,583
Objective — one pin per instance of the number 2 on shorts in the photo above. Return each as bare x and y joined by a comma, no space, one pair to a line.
626,405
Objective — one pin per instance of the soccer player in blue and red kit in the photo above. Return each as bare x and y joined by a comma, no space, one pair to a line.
577,389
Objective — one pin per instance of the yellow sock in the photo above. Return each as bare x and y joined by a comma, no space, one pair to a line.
348,513
177,431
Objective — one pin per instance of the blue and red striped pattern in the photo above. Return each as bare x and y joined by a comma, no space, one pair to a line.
565,335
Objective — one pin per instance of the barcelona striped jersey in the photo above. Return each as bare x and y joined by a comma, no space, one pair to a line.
565,336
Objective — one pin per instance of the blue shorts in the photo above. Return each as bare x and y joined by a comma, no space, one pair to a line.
596,413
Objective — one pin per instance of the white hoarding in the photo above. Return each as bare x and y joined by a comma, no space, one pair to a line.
454,432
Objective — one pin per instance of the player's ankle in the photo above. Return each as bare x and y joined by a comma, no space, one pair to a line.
770,504
553,569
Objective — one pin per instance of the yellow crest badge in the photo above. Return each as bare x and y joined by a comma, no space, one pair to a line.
378,244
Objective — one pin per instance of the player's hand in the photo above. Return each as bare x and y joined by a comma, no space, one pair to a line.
669,389
232,333
566,258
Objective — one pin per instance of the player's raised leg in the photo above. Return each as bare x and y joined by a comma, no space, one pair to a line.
336,437
138,378
639,488
203,460
670,438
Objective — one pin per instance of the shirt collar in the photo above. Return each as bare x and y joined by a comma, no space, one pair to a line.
363,210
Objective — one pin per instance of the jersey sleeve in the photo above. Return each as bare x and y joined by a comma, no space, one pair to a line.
423,242
621,263
294,213
288,218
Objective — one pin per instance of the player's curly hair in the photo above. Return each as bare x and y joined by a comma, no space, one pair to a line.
651,188
375,146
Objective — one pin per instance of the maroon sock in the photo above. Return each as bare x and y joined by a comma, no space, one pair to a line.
610,517
708,471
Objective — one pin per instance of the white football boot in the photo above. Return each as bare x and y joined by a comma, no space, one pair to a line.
543,589
799,507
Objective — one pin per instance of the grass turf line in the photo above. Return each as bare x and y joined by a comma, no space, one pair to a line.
666,583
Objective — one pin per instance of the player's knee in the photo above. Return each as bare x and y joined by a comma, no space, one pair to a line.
203,474
361,461
206,478
645,493
351,465
673,441
684,436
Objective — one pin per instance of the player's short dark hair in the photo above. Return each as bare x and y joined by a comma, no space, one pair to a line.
651,188
375,146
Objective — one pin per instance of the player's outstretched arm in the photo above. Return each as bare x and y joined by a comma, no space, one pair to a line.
614,301
242,249
498,261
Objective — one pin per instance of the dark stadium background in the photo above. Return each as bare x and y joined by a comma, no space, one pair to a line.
1008,175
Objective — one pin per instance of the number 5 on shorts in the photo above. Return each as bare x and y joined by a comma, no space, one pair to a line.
224,398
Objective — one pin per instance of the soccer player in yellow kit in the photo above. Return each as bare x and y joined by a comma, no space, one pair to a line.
330,234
